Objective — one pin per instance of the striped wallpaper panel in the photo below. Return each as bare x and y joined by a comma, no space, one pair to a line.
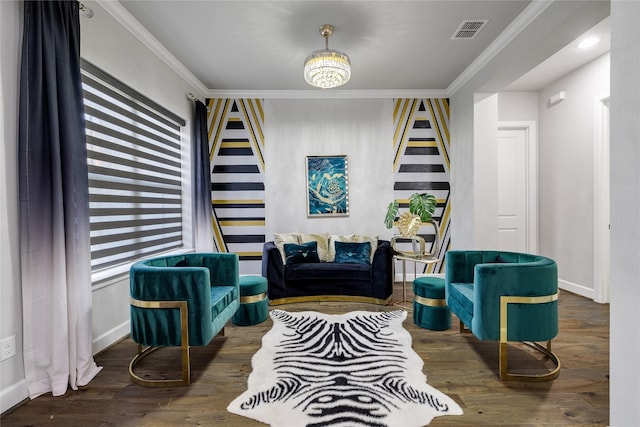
421,163
236,142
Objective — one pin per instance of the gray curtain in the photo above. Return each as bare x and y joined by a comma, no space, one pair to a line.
54,202
202,181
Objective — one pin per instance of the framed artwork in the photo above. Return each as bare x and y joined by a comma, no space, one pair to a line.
327,186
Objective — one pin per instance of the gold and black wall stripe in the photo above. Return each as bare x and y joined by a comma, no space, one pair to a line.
236,142
421,163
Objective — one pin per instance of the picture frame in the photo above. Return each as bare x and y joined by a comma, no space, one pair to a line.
327,186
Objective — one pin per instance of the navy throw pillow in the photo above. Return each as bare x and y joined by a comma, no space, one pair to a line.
297,254
182,263
500,260
352,253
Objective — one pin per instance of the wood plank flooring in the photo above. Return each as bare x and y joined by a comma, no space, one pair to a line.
456,364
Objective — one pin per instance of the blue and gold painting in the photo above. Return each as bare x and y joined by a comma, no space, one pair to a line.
327,186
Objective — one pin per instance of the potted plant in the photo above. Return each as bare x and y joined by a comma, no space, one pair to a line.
422,206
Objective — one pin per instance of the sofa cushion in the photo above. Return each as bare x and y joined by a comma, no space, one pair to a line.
462,293
373,240
279,239
332,244
326,271
323,244
221,297
306,252
353,253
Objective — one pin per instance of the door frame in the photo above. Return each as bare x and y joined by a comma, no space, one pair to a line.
531,212
601,200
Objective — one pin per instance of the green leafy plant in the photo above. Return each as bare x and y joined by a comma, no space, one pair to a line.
421,204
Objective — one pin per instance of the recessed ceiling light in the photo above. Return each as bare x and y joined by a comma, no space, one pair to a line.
588,42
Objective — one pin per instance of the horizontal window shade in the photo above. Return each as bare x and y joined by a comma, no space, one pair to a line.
135,172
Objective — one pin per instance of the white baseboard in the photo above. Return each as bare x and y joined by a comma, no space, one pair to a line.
12,395
576,289
110,337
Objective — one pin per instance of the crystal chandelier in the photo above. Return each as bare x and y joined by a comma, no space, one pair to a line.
327,68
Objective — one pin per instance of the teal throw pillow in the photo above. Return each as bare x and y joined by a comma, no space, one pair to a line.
352,253
297,254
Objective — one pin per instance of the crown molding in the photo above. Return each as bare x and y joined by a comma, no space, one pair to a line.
531,12
328,94
134,26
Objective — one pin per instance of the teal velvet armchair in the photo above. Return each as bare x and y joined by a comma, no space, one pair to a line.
181,301
506,296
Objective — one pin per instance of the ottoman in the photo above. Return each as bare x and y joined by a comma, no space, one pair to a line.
254,304
430,309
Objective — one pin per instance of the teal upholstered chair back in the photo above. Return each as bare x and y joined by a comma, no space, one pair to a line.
475,281
209,282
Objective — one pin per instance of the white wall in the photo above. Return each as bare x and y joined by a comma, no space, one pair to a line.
518,107
485,137
361,129
107,44
12,385
625,211
566,146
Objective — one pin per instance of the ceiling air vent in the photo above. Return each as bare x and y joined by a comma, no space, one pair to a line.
469,29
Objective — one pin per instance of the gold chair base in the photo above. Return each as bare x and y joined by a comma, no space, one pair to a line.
504,371
184,340
186,370
548,376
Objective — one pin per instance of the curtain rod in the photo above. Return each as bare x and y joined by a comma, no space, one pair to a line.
85,10
195,98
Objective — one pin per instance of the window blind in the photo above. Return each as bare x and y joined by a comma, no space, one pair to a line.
135,171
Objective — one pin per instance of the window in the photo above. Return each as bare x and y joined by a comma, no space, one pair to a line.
135,185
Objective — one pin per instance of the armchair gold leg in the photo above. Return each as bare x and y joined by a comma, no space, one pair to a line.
184,340
506,376
142,353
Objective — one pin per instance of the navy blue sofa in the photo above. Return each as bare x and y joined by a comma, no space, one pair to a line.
329,281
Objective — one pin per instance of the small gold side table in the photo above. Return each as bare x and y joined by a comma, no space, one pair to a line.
408,305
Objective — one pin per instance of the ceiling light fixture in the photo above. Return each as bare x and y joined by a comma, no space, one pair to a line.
327,68
588,42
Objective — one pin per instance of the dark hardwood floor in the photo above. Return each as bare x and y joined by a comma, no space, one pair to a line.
456,364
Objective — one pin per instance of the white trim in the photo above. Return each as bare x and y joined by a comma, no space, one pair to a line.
527,16
329,94
111,337
134,26
12,395
575,288
531,136
601,200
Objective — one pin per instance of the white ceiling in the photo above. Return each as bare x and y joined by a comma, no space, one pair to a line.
393,45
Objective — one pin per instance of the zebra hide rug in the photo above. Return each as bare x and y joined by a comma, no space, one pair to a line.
355,369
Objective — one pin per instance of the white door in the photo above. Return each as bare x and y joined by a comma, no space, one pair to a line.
512,190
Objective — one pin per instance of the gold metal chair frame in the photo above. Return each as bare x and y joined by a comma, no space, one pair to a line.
504,372
184,340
